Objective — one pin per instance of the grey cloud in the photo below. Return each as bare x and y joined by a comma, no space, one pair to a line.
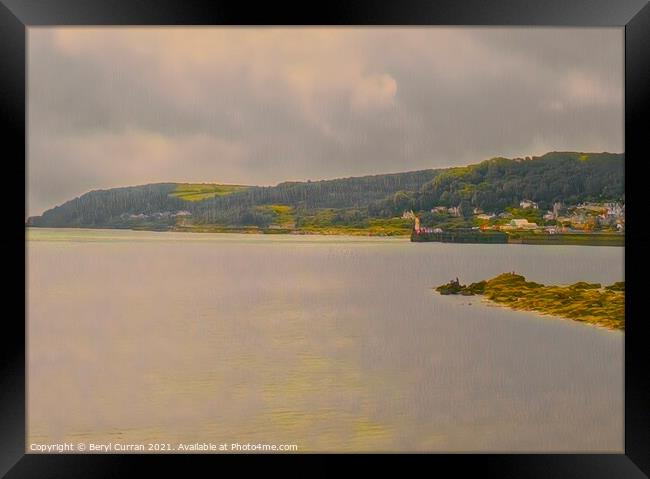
118,106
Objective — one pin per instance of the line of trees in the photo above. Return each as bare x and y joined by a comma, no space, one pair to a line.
491,185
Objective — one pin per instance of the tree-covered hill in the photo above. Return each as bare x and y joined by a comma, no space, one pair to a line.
497,183
491,185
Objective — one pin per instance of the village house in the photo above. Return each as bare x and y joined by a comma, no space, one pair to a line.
549,215
607,220
520,224
578,221
615,209
592,208
528,204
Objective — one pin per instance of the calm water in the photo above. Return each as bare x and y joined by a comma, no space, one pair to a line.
330,343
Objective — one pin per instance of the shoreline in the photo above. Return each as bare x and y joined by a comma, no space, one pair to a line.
586,240
357,233
546,315
89,230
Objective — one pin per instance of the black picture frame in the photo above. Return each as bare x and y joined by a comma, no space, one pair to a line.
17,15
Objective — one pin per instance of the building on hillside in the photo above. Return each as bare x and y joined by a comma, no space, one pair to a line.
454,211
408,215
578,221
593,208
439,209
615,209
607,220
522,224
486,216
526,204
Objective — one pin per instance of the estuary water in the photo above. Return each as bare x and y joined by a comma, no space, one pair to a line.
329,343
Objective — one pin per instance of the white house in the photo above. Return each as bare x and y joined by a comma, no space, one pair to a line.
525,204
454,211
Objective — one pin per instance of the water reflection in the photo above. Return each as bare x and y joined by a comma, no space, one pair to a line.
334,344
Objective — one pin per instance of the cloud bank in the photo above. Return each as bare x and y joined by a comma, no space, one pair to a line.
121,106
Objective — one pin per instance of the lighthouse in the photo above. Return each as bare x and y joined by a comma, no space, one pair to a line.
417,225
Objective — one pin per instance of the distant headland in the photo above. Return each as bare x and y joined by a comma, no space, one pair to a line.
556,198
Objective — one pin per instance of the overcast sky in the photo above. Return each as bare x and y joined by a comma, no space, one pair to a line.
124,106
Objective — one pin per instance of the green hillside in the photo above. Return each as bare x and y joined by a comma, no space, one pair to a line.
203,191
372,204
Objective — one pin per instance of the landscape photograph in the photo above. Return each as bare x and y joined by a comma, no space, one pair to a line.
325,239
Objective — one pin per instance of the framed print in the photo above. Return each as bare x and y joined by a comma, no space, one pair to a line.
364,229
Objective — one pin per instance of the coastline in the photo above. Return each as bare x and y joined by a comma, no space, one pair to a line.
546,315
556,240
254,231
590,303
64,234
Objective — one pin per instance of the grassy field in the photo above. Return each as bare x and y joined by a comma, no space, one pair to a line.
284,215
587,302
391,226
331,222
348,230
202,191
374,227
216,229
315,230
